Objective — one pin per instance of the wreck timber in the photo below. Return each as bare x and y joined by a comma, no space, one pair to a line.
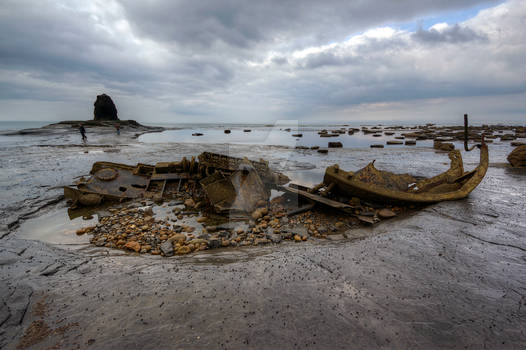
230,183
388,188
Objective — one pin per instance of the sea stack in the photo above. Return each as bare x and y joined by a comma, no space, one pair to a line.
104,108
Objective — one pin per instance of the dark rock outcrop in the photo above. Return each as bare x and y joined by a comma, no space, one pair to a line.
104,108
517,157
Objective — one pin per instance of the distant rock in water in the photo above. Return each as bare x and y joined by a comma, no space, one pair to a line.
104,108
517,157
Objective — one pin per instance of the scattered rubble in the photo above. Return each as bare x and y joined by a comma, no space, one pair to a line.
134,228
222,201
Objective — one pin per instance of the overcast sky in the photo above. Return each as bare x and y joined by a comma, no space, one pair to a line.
262,61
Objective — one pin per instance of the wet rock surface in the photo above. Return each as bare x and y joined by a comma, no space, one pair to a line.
435,279
450,276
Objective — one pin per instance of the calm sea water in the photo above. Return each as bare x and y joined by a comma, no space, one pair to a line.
13,125
269,136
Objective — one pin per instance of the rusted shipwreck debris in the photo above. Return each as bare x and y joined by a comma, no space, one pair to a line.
344,190
390,188
239,185
369,184
230,184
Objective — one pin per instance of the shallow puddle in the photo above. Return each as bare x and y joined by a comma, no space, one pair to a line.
56,227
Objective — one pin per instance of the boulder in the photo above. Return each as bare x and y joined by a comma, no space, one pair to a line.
517,157
104,108
335,144
443,146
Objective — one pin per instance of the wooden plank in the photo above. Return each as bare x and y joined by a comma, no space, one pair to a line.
171,176
162,189
317,198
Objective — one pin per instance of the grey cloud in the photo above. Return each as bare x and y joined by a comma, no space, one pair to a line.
325,59
53,43
203,52
244,24
451,34
338,57
280,60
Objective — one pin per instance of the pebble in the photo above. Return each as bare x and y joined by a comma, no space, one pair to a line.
274,237
133,246
189,203
339,225
214,243
386,213
167,248
256,214
178,238
184,250
188,229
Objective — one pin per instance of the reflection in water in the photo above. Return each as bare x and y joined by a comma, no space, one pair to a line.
55,227
308,177
88,212
269,136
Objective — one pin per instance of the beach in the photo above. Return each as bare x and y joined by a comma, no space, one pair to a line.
447,276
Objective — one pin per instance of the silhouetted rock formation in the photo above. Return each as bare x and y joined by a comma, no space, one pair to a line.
104,108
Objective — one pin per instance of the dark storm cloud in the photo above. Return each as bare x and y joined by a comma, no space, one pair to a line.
47,36
244,24
51,41
451,34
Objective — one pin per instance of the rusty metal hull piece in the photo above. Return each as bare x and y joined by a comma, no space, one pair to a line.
239,191
230,183
388,188
232,164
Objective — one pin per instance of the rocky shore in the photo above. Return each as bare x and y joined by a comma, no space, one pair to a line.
135,227
448,276
128,128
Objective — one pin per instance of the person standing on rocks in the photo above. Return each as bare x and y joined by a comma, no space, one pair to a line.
83,133
118,129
